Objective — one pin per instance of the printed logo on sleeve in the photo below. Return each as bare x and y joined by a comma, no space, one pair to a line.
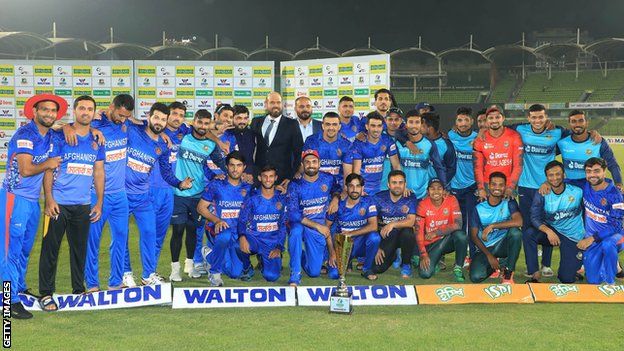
24,144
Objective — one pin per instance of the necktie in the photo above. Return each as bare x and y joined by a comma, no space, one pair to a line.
268,132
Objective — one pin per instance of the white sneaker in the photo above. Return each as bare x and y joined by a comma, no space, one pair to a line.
205,251
188,265
195,271
215,279
175,272
128,280
201,268
153,279
547,271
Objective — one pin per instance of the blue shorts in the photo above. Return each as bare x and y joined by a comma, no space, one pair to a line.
185,211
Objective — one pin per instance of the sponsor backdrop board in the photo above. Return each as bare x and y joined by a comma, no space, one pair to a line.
577,293
20,80
325,81
473,293
203,84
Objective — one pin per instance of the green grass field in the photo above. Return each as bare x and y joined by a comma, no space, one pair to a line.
490,327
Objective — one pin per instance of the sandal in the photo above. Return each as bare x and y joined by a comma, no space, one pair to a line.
369,275
48,304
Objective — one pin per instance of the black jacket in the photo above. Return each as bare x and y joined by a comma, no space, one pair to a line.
284,152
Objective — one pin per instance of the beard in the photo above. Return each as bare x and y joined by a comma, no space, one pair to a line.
305,116
311,172
153,128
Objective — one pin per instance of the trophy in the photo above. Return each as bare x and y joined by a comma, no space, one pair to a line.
340,300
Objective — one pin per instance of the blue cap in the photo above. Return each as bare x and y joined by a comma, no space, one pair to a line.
425,105
435,180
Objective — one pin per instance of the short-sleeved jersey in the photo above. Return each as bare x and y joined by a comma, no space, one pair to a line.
27,140
116,148
574,154
265,219
332,155
464,174
311,199
563,212
227,199
488,214
356,217
176,136
373,157
604,211
74,177
417,166
431,218
501,154
389,211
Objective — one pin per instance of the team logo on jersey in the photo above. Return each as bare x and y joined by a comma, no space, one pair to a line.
180,136
354,128
206,148
324,187
339,152
383,148
158,151
603,201
445,211
123,128
506,144
243,192
571,199
404,209
588,151
278,205
94,145
362,211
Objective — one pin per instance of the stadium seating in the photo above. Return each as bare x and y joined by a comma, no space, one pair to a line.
449,96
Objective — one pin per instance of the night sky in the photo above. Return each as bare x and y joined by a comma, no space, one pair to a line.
293,25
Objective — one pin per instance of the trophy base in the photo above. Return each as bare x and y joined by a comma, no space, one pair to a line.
340,304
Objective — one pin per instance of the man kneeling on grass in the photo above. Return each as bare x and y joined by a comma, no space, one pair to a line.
439,228
495,231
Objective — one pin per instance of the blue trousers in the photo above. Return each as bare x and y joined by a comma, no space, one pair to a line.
525,197
142,208
18,228
271,267
162,198
363,246
115,211
569,263
224,258
201,232
311,259
600,260
467,202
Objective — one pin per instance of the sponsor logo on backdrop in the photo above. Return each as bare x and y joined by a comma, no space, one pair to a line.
149,295
233,297
361,295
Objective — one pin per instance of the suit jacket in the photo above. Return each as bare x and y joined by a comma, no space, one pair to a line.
285,150
317,126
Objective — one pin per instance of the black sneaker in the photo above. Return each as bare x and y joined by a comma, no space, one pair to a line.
579,277
619,274
532,280
19,312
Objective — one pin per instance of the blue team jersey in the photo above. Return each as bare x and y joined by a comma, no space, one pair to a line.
143,152
192,161
488,214
227,199
27,140
446,151
416,167
332,155
156,179
387,168
373,157
227,137
265,219
539,149
604,211
116,136
351,129
464,174
574,155
311,199
563,212
74,177
389,211
350,219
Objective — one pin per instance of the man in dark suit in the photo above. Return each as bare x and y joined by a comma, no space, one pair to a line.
307,125
278,140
